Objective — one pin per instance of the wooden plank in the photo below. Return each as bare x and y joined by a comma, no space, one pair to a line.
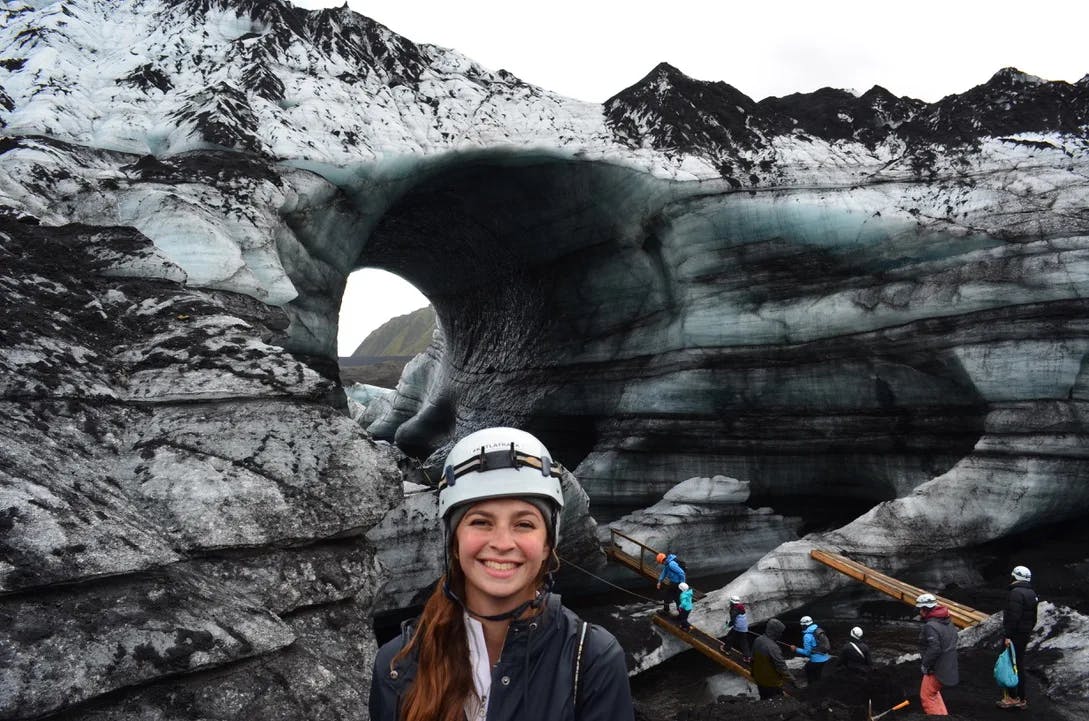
705,643
961,615
893,587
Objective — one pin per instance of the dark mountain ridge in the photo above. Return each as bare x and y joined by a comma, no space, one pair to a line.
671,112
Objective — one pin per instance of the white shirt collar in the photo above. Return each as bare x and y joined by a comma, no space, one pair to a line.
476,706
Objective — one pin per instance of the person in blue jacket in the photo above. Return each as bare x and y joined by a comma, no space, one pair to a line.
737,630
674,574
815,647
684,605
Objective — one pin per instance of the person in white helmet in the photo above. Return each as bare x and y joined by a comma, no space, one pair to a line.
816,648
937,652
737,629
1017,623
854,657
684,605
492,641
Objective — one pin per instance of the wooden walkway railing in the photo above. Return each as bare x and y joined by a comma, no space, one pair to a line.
634,554
962,616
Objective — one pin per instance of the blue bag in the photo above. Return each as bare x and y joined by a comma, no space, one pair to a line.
1005,668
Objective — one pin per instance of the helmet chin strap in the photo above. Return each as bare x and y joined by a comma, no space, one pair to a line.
535,603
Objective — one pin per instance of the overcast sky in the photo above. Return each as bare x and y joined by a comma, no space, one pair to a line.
592,49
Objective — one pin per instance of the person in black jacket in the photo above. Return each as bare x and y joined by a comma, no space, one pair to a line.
769,669
1017,624
854,657
492,642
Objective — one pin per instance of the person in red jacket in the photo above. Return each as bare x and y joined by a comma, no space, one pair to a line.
938,654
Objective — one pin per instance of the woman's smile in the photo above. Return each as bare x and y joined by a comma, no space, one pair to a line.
500,567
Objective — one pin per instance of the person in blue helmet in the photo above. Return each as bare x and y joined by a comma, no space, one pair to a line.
493,642
674,575
816,647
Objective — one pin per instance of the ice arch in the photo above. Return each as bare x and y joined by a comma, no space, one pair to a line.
651,330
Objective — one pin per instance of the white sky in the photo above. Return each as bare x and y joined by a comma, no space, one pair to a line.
592,49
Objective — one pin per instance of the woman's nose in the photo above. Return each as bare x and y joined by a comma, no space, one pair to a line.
502,537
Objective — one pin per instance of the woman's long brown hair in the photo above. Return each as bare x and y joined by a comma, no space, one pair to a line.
442,683
443,675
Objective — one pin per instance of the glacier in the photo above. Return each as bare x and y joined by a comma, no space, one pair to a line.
801,322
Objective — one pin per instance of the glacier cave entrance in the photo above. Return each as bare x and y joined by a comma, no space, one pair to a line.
630,322
505,246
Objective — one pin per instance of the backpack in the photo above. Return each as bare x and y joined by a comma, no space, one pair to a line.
823,644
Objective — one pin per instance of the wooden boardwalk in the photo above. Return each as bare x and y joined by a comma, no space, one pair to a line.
706,644
639,557
961,615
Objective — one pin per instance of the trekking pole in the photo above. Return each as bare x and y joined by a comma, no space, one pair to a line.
869,709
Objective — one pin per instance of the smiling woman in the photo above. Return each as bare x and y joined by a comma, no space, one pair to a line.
492,641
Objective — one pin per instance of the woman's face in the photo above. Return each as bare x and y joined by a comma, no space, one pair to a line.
501,546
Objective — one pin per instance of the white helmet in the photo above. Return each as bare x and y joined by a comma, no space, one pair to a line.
500,463
1020,573
683,586
806,620
926,600
856,633
735,600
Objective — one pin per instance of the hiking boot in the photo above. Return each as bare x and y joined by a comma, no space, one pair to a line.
1021,703
1008,702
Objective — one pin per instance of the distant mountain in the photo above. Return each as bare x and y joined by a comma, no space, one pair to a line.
405,335
381,357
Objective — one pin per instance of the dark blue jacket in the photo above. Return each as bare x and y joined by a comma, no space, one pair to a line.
672,570
537,688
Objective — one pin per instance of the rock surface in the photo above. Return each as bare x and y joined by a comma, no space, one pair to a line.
175,490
